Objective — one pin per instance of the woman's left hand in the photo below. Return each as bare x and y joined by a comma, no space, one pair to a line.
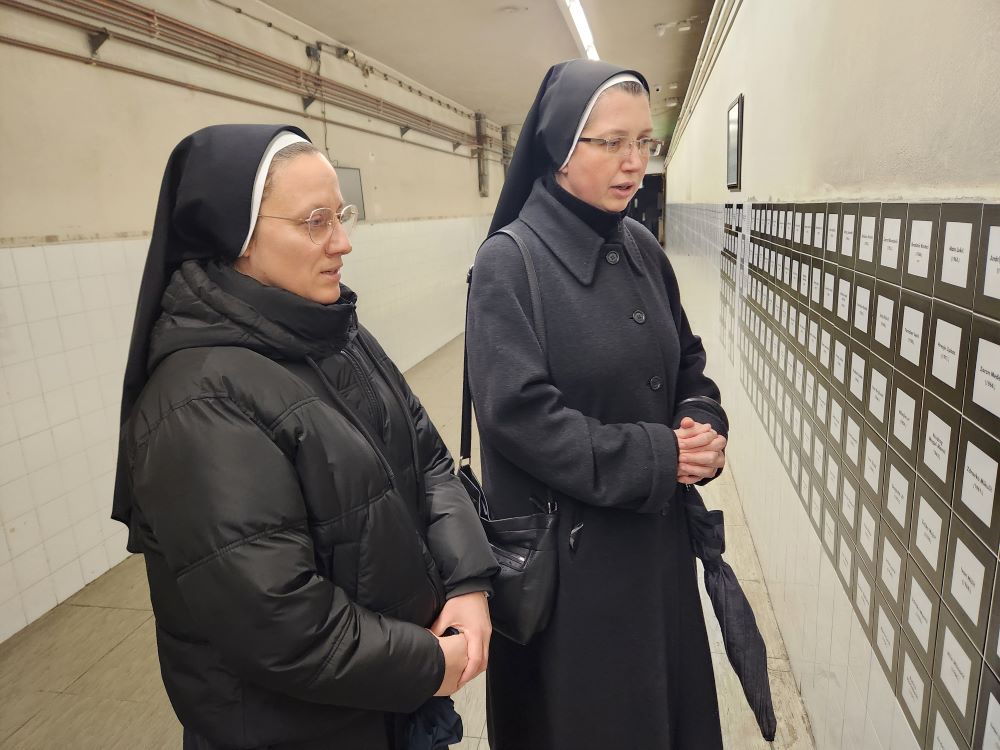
470,615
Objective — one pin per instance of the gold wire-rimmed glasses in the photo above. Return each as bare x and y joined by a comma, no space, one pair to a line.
321,221
647,146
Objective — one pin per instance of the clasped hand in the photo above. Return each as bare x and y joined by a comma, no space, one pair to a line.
465,654
701,451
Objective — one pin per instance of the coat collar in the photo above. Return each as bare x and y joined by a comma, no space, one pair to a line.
571,240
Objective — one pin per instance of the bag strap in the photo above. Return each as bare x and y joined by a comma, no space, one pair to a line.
465,449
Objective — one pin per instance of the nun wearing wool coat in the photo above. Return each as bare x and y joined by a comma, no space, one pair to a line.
611,418
306,542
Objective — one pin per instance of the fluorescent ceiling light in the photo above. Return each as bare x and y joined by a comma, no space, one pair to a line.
582,28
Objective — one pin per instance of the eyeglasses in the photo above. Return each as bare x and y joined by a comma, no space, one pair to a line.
647,146
321,222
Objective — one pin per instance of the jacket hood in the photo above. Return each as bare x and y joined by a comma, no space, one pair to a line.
215,305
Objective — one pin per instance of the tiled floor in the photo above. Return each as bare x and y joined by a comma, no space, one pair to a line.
85,675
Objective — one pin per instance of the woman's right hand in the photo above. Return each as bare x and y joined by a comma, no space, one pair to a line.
456,658
700,451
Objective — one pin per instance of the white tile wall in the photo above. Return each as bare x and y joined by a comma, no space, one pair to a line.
850,702
65,321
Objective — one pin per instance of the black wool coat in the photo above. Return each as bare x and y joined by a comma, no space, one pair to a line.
625,661
293,568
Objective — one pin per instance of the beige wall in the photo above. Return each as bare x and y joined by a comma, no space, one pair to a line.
100,138
850,99
82,152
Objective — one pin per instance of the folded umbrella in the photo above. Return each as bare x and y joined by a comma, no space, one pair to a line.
434,726
744,644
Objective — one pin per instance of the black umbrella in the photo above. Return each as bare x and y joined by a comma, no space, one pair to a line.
434,726
744,644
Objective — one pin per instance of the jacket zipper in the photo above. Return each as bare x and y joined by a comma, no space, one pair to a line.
375,406
354,420
411,428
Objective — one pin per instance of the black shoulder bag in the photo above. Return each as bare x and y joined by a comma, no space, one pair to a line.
524,546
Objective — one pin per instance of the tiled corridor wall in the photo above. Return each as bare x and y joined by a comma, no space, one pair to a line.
65,321
881,565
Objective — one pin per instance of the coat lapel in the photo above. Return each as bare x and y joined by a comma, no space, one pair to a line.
569,238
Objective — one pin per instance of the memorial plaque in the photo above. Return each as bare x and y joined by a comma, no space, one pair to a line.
845,560
857,375
880,378
830,532
864,309
987,301
982,389
840,366
845,300
914,332
885,320
832,477
897,500
819,231
938,445
854,425
913,687
868,230
890,248
829,292
921,607
807,232
904,420
969,573
886,635
816,285
832,243
922,248
977,500
993,637
891,569
942,731
959,235
948,358
864,597
835,423
850,502
929,533
873,472
868,532
957,671
849,235
987,732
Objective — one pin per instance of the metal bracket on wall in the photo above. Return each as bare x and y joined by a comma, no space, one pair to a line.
97,39
484,168
403,130
506,148
306,101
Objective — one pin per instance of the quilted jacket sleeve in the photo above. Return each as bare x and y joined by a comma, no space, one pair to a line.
225,506
455,535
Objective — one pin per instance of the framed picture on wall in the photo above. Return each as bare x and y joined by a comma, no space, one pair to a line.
734,144
350,188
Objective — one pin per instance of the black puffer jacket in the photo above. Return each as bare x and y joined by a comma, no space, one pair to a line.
299,518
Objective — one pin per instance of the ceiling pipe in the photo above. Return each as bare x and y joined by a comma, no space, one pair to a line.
170,36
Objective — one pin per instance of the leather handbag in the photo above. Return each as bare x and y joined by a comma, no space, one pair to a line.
524,546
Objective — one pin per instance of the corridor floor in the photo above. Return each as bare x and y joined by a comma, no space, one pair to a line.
85,675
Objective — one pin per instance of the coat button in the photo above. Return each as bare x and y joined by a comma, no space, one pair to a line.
655,383
613,257
639,317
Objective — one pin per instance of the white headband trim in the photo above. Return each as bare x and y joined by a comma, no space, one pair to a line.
282,139
613,81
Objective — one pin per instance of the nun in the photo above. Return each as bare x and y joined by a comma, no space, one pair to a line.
305,541
613,416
